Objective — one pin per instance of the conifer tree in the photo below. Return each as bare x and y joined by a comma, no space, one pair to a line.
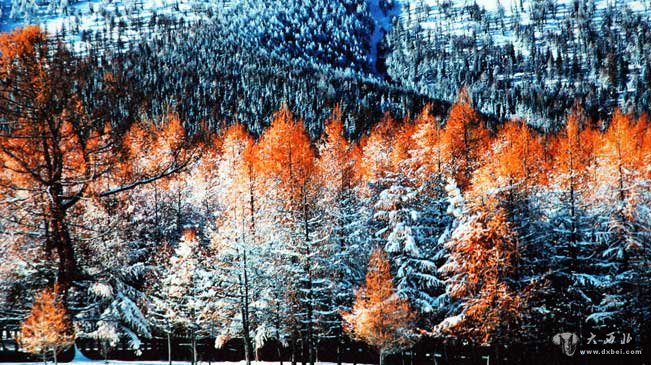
47,329
379,316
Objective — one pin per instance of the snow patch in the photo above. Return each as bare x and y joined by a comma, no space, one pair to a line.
382,26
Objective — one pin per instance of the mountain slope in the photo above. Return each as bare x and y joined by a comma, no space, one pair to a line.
531,59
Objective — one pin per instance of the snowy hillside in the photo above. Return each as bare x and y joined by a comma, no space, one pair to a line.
123,21
526,57
516,57
118,21
240,60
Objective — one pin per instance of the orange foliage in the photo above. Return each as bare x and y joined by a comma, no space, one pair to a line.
400,146
239,177
426,152
23,43
150,148
623,141
514,162
238,143
486,254
47,328
574,147
644,125
379,317
521,156
463,139
286,155
336,157
377,156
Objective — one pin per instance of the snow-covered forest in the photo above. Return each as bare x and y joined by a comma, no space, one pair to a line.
345,181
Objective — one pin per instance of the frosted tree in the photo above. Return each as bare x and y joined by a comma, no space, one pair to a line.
576,281
344,227
619,204
396,219
239,260
484,307
292,184
113,303
512,172
186,289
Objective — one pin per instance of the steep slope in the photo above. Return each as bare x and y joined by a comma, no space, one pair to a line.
383,13
247,61
216,62
530,59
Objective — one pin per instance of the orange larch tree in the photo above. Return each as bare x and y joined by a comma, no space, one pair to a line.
288,165
573,228
379,316
335,164
619,204
426,159
47,329
376,148
483,249
236,242
620,154
464,138
574,155
53,149
513,165
400,147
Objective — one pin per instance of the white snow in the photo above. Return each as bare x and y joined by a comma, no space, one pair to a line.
94,16
83,361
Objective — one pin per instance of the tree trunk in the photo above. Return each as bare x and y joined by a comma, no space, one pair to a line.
194,349
246,334
169,348
105,349
247,347
293,360
382,357
44,357
58,238
310,295
54,356
338,348
305,351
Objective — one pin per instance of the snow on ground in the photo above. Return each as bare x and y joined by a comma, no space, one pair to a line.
118,362
80,359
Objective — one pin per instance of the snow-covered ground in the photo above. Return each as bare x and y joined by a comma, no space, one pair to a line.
80,359
117,362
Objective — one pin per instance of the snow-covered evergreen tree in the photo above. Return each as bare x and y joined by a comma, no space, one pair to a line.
186,289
